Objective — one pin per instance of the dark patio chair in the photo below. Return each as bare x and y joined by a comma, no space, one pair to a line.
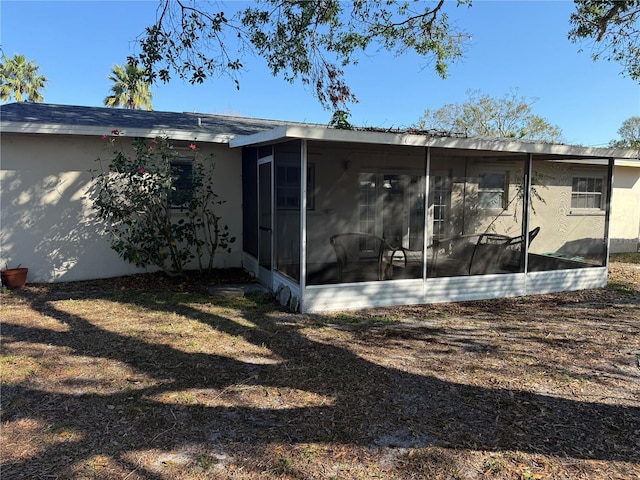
495,253
362,257
453,256
512,258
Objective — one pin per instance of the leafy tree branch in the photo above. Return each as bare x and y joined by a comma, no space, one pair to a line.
311,41
629,133
481,115
611,29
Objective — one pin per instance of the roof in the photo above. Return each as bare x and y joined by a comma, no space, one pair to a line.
27,117
455,144
241,131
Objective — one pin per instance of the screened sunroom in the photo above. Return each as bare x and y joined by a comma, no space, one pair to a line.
347,219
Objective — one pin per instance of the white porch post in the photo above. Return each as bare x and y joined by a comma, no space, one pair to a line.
303,218
528,185
427,228
607,212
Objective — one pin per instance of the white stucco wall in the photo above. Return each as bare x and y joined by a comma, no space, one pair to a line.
625,210
46,221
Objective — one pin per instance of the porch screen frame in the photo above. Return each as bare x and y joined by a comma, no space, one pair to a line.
378,218
428,227
303,214
287,219
607,210
250,201
267,160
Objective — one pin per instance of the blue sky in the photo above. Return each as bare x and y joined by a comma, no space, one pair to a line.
516,45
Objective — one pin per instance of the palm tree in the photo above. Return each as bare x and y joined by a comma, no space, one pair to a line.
129,89
20,80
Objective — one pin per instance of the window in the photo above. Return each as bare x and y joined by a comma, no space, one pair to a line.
586,192
492,190
183,182
441,191
391,206
367,207
288,187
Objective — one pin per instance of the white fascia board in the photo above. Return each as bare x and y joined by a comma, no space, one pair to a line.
289,132
627,163
89,130
410,139
514,146
267,136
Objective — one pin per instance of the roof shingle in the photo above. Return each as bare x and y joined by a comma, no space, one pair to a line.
74,116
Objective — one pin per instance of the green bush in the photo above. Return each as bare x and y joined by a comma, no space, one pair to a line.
156,211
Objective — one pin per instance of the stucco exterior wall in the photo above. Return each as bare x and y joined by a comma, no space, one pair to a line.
46,217
625,210
565,229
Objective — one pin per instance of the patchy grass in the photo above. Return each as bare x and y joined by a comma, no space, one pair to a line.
630,258
144,378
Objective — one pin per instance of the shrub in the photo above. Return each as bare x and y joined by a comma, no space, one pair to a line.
156,214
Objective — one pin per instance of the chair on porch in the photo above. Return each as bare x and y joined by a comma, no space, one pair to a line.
512,258
362,257
495,253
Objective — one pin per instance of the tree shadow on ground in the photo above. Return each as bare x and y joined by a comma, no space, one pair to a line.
359,402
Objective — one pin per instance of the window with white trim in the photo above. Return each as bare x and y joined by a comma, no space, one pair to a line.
492,190
441,191
587,192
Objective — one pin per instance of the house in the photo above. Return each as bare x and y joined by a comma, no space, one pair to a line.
437,218
47,153
625,209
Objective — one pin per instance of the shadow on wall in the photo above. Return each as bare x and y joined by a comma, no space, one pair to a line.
591,250
625,245
583,246
47,226
595,246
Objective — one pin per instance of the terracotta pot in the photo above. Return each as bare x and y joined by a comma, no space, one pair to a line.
14,277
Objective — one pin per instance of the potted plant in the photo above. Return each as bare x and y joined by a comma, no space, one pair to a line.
14,277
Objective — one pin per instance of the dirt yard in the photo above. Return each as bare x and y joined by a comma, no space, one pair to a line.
145,378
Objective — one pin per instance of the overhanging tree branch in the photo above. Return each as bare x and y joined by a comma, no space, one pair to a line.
612,26
310,41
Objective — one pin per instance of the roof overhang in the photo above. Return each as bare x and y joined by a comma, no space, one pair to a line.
90,130
623,157
628,163
319,133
